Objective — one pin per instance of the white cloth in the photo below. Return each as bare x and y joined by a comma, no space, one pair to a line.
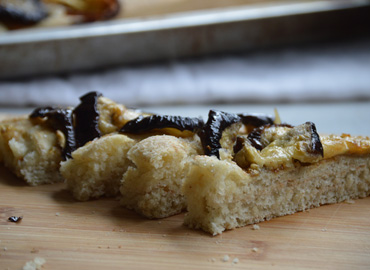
321,72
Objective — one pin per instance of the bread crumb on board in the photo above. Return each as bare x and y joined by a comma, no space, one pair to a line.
226,258
255,249
255,227
349,201
36,264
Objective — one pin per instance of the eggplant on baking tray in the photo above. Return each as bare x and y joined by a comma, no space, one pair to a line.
90,10
15,14
22,12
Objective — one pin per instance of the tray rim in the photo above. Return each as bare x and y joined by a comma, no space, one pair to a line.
177,20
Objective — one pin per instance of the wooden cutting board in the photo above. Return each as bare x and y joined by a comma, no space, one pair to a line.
102,235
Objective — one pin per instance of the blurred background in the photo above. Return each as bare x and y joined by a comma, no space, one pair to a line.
308,59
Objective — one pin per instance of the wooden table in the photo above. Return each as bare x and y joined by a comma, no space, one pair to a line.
102,235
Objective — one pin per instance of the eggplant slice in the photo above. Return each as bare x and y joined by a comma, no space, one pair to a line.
90,10
22,11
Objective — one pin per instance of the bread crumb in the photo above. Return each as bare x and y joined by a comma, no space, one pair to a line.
5,248
235,261
350,201
254,249
324,230
34,250
255,227
226,258
57,214
36,264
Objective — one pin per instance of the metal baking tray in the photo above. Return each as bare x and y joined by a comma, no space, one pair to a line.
172,36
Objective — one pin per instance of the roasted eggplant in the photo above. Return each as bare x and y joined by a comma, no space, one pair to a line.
21,12
86,119
212,131
155,122
90,10
59,119
79,126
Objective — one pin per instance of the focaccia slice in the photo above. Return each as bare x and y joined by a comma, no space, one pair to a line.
33,146
282,178
32,152
152,184
95,170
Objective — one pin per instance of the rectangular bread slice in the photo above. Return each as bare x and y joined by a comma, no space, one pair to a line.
221,195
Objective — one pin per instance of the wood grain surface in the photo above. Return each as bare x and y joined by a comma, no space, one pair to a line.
102,235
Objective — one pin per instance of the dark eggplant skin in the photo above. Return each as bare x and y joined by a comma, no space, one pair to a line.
79,126
256,120
211,133
22,12
86,119
144,124
59,119
254,138
316,145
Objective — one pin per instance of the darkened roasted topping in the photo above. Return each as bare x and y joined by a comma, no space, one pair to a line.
316,145
22,12
255,137
79,126
256,120
86,118
91,10
59,119
145,124
15,219
211,133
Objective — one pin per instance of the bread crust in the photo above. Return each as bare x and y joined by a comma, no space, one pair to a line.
221,196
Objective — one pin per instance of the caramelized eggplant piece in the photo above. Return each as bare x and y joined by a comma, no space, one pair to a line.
79,126
22,11
280,146
255,137
91,10
86,119
256,120
316,145
146,124
59,119
211,134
